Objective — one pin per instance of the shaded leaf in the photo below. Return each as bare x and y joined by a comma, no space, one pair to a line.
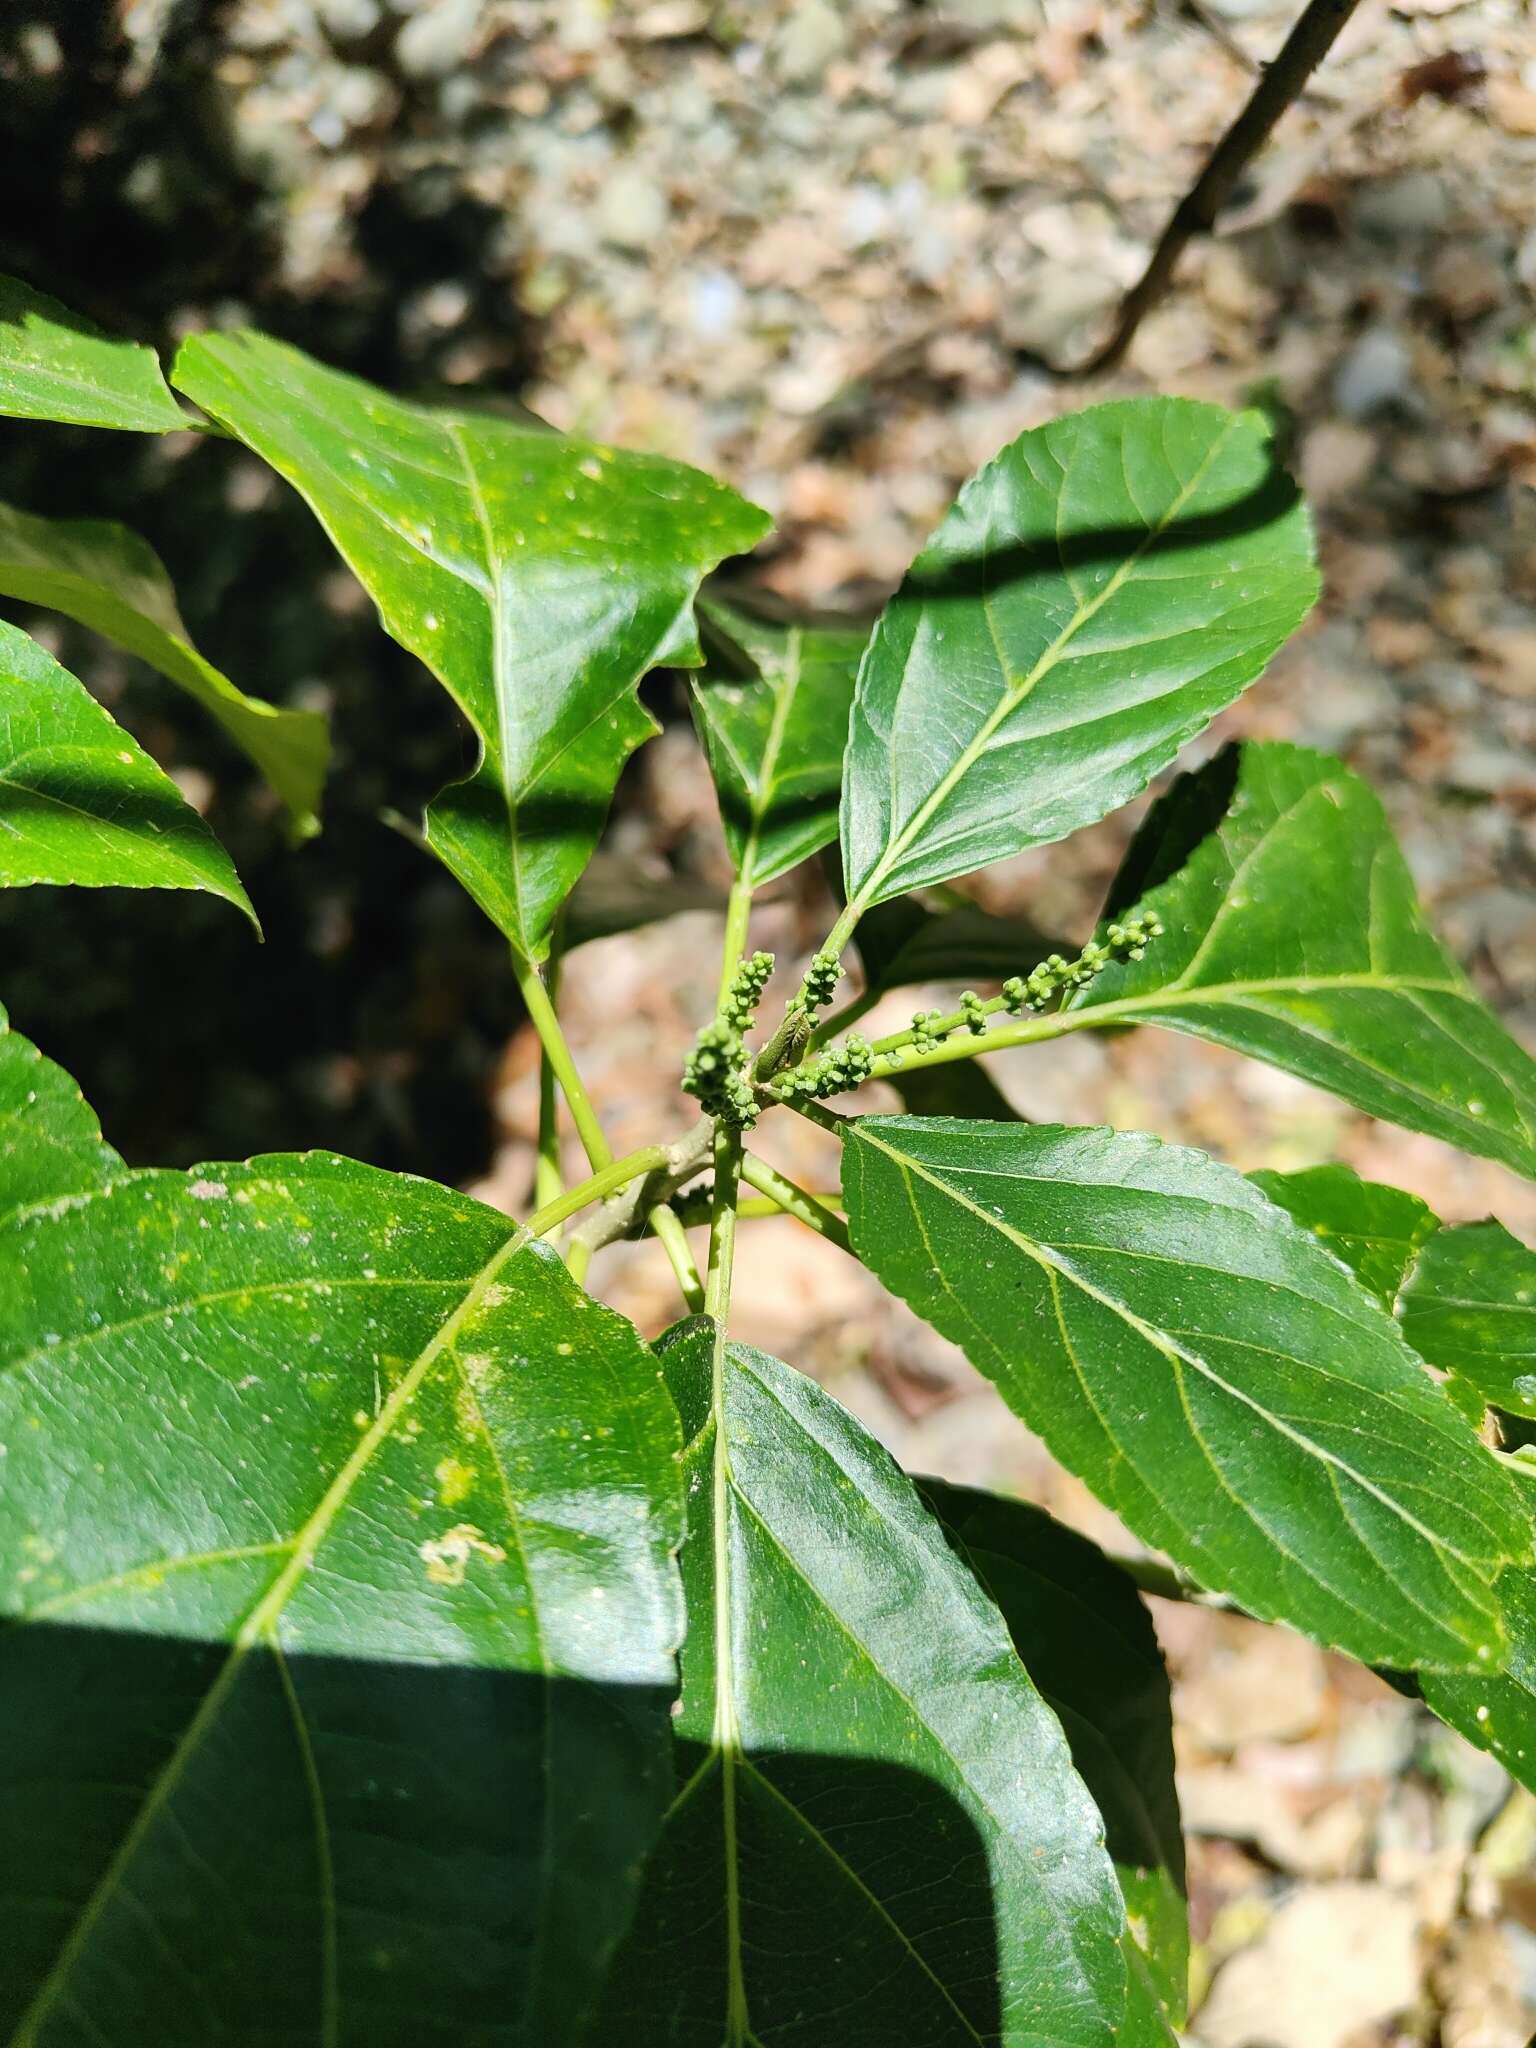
539,578
904,942
107,578
1470,1308
1293,933
963,1088
772,712
335,1548
617,895
1375,1229
55,365
50,1141
1195,1357
879,1834
1101,589
81,802
1087,1641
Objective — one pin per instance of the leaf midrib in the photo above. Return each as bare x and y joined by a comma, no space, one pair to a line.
1162,1341
1016,691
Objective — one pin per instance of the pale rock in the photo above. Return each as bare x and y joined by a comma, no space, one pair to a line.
1258,1685
1229,1801
813,37
1411,203
632,210
1058,304
1336,458
1376,373
1335,1959
438,37
347,19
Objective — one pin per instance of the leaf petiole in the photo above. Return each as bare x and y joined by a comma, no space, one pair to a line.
617,1174
794,1201
541,1013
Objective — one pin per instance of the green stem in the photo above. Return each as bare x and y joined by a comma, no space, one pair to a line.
794,1201
618,1173
546,1171
738,911
837,939
722,1229
674,1241
541,1011
758,1208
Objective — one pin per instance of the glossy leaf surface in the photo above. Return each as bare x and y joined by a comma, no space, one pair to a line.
1293,933
879,1835
1470,1308
772,712
1497,1710
81,802
1099,592
1375,1229
56,365
335,1548
50,1141
109,579
1086,1639
1219,1380
539,578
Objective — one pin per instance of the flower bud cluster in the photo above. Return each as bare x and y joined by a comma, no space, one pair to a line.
1126,939
718,1071
820,984
840,1067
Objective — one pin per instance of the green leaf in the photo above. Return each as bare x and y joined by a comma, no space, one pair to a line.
336,1551
1470,1308
1293,933
1087,1641
1375,1229
879,1834
963,1088
54,365
1098,593
1497,1710
81,802
772,712
107,578
50,1141
539,578
1218,1379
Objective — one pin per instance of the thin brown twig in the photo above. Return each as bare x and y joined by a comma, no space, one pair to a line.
1281,83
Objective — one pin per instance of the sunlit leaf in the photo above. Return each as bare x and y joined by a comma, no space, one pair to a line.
1101,589
1293,933
56,365
1375,1229
50,1141
538,577
878,1835
1222,1382
772,712
81,802
1470,1308
336,1557
1085,1637
109,579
